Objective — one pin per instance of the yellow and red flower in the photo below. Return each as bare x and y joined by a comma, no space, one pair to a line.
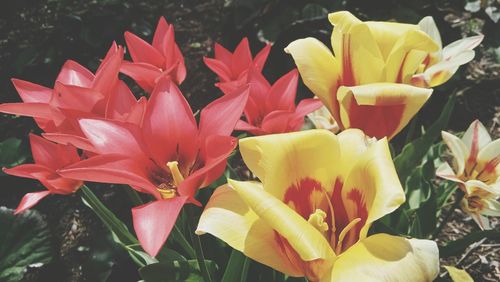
367,84
310,214
476,169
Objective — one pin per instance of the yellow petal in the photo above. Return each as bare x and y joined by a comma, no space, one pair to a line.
383,257
388,34
410,65
413,39
353,144
372,188
318,68
458,150
458,275
308,242
230,219
281,161
380,109
442,71
355,46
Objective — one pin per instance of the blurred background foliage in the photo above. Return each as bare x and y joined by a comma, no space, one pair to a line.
37,36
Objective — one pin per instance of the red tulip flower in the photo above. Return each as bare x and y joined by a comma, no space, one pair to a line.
271,109
78,93
153,61
234,66
49,158
169,156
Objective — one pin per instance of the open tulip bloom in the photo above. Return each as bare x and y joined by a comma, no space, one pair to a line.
367,84
168,156
233,67
271,109
310,214
476,169
152,61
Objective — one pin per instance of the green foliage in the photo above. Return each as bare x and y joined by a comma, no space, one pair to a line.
412,154
176,270
24,240
11,152
237,268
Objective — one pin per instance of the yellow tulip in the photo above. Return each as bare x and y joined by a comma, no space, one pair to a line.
367,84
476,169
310,213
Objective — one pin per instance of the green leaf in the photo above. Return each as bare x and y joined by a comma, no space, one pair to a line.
175,271
412,154
25,240
237,268
456,247
11,152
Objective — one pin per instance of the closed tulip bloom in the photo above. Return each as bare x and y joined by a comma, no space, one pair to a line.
476,169
49,158
366,84
311,211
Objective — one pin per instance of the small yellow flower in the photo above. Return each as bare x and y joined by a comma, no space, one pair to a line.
476,169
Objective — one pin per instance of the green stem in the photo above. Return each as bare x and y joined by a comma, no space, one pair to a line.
411,130
198,249
134,197
109,219
448,214
183,242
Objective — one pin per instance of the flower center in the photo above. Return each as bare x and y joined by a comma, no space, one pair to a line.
168,190
317,219
344,232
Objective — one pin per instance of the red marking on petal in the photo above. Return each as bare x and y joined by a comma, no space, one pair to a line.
474,149
376,121
299,196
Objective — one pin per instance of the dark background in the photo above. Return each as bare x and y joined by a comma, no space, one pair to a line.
37,36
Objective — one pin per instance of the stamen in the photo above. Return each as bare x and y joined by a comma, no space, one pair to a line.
344,232
317,219
166,191
176,174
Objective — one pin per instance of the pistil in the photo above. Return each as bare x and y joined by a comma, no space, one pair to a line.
344,232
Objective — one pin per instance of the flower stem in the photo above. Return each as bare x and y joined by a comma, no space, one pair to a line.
198,249
134,197
183,243
446,217
108,218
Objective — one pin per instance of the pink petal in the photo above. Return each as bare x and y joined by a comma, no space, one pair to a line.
142,73
75,97
30,199
282,94
220,68
242,58
52,155
154,221
107,75
142,52
169,126
114,137
31,92
36,110
308,106
69,139
220,116
72,73
222,54
120,101
160,34
112,168
261,57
